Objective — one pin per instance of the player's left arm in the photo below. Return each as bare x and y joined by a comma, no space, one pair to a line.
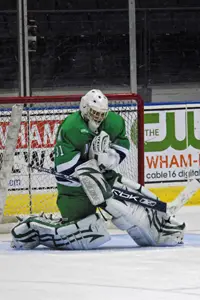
110,148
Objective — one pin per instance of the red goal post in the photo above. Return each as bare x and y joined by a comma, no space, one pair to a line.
27,133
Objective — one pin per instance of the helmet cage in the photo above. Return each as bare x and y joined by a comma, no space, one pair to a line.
96,116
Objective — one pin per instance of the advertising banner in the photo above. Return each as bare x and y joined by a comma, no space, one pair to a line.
35,144
172,143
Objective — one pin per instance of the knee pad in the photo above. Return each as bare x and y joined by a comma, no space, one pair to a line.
125,215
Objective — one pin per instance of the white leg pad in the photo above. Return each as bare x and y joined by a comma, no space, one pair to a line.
141,236
88,233
123,214
145,226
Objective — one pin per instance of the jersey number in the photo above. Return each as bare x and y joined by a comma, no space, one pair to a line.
59,151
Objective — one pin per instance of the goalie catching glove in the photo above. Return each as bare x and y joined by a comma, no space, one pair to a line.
106,157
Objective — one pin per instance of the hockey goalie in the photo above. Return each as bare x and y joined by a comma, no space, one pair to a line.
90,144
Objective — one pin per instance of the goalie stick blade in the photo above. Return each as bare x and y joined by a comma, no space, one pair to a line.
174,206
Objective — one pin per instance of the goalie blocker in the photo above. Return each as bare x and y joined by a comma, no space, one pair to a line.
145,226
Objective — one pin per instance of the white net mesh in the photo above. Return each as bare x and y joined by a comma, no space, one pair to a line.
30,191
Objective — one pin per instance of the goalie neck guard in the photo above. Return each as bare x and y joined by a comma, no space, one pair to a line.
94,108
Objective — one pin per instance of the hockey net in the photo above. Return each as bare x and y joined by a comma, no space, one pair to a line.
28,127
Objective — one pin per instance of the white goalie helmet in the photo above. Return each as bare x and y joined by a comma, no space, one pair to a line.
94,108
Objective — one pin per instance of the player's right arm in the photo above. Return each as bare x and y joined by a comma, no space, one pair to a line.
67,154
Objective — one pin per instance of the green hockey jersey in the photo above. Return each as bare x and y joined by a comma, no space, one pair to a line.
74,138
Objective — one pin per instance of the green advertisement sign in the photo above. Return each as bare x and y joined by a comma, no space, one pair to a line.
172,143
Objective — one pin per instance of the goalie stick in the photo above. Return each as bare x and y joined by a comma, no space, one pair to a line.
125,195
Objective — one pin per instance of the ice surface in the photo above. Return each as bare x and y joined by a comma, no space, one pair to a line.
119,270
